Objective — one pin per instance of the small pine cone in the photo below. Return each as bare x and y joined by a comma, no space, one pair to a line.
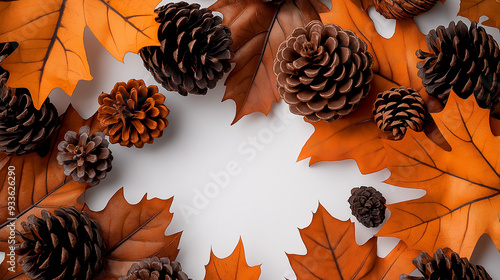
401,9
23,128
63,245
368,206
194,52
443,267
133,114
465,60
323,71
397,109
156,269
85,156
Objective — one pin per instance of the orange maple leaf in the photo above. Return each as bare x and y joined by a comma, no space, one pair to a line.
51,50
474,9
463,185
356,136
257,29
233,267
332,253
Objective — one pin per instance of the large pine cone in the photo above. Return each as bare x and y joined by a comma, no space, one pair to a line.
368,206
323,71
465,60
401,9
443,267
133,114
194,52
397,109
156,269
85,156
23,128
63,245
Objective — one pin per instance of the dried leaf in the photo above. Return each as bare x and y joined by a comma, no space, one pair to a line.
463,185
134,232
258,28
474,9
51,52
356,136
233,267
332,253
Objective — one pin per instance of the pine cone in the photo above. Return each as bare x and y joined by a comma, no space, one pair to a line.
85,156
23,128
133,114
465,60
401,9
323,71
156,269
398,108
443,267
368,206
63,245
194,52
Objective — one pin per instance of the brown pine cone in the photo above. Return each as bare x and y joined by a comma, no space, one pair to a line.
397,109
443,267
85,156
401,9
156,269
465,60
133,114
63,245
368,206
23,128
194,52
323,71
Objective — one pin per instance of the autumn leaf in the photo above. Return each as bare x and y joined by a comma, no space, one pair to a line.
463,185
258,28
51,50
134,232
356,136
233,267
332,253
474,9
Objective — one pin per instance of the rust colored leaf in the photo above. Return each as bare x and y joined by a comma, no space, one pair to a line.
40,184
134,232
332,253
474,9
51,50
258,28
463,185
356,136
233,267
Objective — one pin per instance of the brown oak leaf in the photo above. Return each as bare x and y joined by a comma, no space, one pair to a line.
233,267
258,28
332,253
356,136
463,185
51,52
474,9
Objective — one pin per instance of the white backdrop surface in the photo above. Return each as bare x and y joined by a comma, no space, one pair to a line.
241,180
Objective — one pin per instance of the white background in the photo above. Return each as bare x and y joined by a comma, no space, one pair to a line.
268,196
